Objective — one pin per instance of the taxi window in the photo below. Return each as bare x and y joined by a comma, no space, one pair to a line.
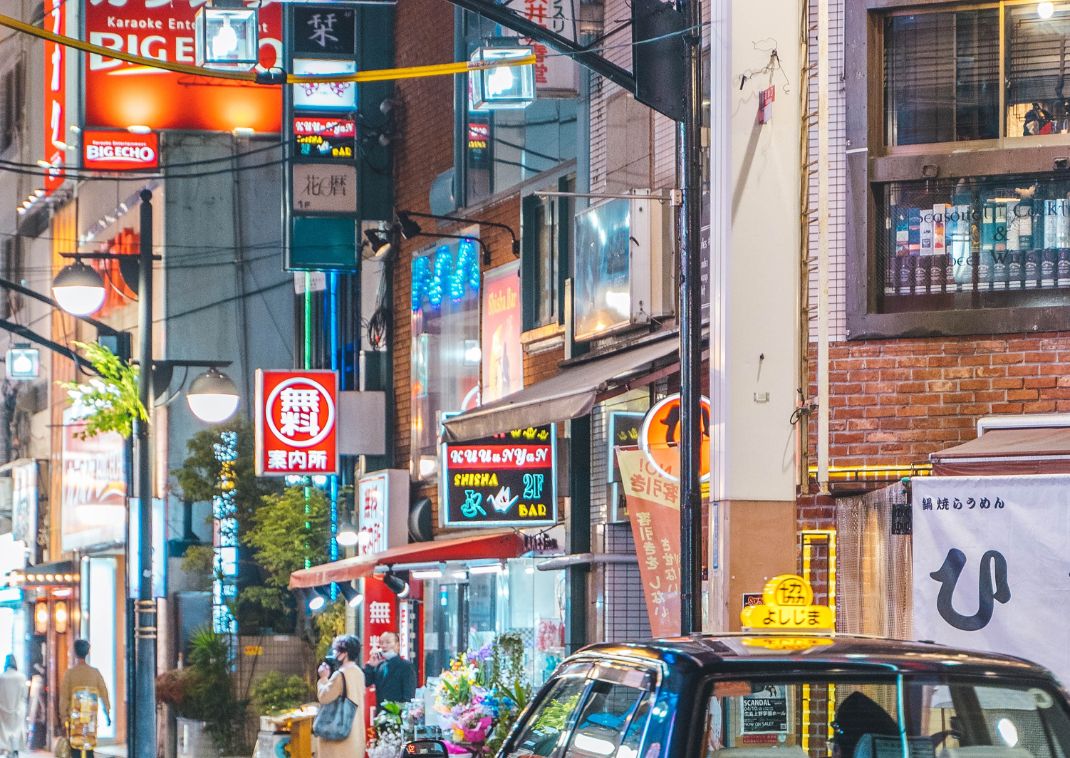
597,712
851,717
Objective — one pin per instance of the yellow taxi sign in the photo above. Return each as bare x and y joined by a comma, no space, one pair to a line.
786,643
788,603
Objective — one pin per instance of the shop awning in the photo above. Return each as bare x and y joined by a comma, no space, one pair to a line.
497,545
571,393
1033,450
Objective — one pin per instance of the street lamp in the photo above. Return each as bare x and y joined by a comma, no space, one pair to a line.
212,396
78,289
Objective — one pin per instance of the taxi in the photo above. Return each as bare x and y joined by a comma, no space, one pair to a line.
791,692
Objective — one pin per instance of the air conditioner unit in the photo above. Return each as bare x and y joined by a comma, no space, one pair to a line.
623,265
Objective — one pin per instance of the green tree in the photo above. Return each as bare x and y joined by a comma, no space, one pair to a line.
111,398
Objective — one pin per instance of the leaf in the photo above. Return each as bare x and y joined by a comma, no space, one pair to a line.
111,399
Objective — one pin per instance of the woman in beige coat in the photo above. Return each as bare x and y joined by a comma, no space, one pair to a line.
346,649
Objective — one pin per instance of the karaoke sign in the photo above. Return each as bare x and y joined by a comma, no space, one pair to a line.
296,423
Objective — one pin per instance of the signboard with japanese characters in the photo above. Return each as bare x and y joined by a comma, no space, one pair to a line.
324,96
502,356
119,151
788,604
321,139
555,75
379,609
120,94
323,30
296,422
55,122
659,437
654,510
506,480
324,188
382,511
94,486
991,560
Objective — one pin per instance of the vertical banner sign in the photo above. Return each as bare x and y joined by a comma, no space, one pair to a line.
94,486
380,615
55,96
556,74
502,355
654,510
991,561
296,423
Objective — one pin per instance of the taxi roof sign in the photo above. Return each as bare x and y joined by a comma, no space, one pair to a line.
788,604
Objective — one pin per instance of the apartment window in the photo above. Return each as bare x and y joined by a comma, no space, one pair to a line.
503,148
546,226
958,151
11,101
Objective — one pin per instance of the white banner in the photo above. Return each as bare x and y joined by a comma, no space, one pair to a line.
992,565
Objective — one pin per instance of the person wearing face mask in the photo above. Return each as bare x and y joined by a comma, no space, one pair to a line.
345,650
394,677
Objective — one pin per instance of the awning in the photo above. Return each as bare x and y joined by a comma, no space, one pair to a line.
495,545
569,394
1035,450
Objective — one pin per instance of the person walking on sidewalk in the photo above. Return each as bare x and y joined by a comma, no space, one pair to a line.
393,676
347,680
81,694
12,709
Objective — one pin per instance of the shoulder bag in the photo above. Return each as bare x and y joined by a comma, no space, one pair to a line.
335,719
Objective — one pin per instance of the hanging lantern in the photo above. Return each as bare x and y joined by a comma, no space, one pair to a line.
501,87
40,618
226,36
61,616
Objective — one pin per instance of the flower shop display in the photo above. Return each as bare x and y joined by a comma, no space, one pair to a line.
386,739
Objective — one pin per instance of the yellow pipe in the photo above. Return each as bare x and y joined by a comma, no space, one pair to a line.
377,75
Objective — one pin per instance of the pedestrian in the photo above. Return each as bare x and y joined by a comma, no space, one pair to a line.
81,693
346,680
394,677
12,709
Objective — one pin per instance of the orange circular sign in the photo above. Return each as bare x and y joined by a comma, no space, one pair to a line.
659,437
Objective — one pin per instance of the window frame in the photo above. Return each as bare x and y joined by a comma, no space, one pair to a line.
871,162
564,213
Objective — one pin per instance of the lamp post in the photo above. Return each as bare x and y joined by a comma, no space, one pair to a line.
212,397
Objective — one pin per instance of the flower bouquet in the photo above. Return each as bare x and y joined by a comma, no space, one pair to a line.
386,727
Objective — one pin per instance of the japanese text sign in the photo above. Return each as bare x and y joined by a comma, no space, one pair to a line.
654,510
324,188
119,151
120,94
553,74
506,480
323,29
659,437
788,603
296,422
318,138
55,96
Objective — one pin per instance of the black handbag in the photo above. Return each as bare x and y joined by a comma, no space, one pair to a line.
335,719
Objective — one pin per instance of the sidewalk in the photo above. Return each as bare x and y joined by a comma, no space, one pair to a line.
104,751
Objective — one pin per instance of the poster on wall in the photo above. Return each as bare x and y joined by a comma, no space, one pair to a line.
120,94
506,480
502,354
991,560
94,487
654,510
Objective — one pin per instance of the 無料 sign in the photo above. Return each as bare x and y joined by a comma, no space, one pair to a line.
296,423
507,480
119,151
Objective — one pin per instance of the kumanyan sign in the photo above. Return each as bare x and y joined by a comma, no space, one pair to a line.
119,151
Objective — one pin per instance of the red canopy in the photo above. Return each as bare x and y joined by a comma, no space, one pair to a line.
488,546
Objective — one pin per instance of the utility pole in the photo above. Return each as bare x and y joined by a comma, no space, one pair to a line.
689,231
145,671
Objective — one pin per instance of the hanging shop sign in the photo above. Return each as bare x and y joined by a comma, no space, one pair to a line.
324,188
502,355
654,510
93,495
323,30
990,551
120,94
555,75
788,605
506,480
321,139
119,151
659,438
24,508
382,511
55,122
296,422
324,96
23,363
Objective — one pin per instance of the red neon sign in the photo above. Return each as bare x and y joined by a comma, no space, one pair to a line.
296,423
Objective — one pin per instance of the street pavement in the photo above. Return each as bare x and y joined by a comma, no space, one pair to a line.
104,751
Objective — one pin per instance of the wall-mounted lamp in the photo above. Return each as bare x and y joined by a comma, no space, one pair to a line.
410,228
61,616
381,244
40,618
351,594
504,86
397,582
226,36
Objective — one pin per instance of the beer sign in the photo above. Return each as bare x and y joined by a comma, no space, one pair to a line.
506,480
296,423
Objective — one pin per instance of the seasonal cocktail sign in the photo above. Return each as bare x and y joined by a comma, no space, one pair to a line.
296,423
506,480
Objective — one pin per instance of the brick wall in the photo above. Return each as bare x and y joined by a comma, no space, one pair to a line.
896,401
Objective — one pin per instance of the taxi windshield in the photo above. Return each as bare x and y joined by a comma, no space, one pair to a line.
894,717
